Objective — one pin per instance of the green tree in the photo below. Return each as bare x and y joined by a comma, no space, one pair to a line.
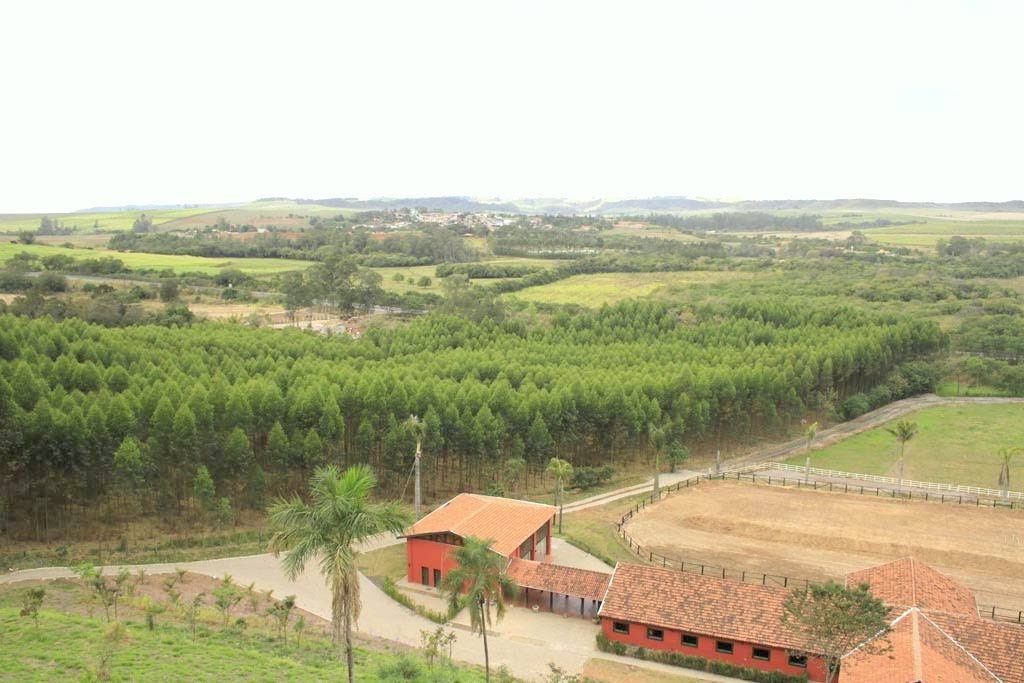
204,491
278,448
809,433
904,431
561,471
337,518
169,290
477,581
31,603
678,454
833,620
1006,456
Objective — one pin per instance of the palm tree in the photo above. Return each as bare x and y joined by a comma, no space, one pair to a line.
478,581
338,516
1006,455
809,434
904,431
561,470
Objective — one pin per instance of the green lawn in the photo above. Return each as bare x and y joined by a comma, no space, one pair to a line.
601,288
69,647
180,264
954,444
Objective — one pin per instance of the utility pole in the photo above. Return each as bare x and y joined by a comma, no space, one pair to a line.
417,503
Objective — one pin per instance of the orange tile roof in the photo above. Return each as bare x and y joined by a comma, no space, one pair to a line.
910,583
1000,647
699,604
554,578
916,649
505,521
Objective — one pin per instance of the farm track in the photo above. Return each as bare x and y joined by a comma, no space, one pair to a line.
826,437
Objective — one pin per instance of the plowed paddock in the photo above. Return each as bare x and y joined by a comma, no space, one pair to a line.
820,535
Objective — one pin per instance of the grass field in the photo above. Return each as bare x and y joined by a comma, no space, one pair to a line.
69,647
956,444
608,288
384,562
279,213
69,641
413,273
87,222
818,535
179,264
930,231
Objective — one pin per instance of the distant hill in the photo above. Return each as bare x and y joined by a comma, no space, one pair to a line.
555,205
449,204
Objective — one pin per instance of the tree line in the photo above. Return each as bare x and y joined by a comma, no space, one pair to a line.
125,418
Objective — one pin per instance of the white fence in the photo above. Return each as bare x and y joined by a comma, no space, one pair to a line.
907,483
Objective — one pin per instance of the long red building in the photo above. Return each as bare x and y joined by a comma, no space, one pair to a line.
936,634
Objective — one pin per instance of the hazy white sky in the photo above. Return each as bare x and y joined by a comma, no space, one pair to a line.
164,102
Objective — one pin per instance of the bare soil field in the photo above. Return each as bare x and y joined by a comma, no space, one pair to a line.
821,535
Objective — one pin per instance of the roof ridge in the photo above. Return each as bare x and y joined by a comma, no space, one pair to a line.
958,644
611,578
915,647
488,499
913,582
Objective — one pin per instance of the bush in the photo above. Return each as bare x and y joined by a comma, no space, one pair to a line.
398,596
604,644
589,477
402,668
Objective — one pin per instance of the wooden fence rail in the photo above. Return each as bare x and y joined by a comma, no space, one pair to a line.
765,579
878,479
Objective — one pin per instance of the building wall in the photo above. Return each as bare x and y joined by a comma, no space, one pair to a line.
420,552
742,654
430,554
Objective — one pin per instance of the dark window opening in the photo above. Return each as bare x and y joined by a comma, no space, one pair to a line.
689,641
655,634
724,647
798,660
620,627
762,653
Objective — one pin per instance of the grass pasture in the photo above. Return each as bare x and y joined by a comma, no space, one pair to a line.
107,221
819,535
928,232
609,288
179,264
955,444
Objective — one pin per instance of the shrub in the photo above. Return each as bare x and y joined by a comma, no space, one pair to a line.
589,477
402,668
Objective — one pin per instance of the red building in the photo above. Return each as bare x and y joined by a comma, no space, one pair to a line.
518,529
739,623
936,634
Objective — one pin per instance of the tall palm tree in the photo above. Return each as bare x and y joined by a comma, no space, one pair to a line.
1006,456
904,431
478,581
809,434
561,470
338,516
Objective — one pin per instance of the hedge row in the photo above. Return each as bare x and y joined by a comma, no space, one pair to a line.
697,663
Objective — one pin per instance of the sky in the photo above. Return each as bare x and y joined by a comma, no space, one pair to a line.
114,103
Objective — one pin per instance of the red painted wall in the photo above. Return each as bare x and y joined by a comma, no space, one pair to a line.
430,554
742,654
